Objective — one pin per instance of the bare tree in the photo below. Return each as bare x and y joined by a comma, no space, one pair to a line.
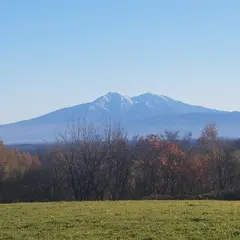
79,155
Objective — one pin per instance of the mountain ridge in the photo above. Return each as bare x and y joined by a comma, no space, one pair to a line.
145,113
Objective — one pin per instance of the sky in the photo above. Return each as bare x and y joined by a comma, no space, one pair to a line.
60,53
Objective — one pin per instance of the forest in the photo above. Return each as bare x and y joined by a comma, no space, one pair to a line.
89,163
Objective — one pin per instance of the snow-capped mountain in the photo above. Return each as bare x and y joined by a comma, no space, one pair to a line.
118,107
140,114
148,105
115,104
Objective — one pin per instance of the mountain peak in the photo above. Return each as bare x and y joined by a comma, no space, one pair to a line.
151,97
113,97
111,94
112,102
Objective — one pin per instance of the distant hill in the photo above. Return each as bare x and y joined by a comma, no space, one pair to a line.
139,115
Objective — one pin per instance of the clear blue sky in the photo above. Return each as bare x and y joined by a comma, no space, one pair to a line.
58,53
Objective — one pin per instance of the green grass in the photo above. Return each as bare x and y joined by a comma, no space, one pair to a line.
143,220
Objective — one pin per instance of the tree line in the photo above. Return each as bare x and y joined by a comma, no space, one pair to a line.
90,163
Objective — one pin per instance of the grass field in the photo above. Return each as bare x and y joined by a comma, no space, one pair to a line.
143,220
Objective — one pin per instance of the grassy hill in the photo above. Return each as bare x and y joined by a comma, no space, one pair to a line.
143,220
